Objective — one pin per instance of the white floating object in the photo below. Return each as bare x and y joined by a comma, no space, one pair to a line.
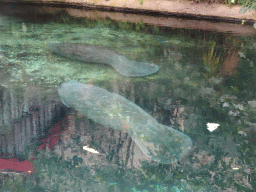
212,126
235,168
242,133
241,54
86,148
226,104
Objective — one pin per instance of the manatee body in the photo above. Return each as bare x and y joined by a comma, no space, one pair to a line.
102,55
161,143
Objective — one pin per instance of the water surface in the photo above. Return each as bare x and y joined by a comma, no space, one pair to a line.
204,88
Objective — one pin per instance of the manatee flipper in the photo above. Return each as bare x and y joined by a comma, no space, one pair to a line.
97,54
161,143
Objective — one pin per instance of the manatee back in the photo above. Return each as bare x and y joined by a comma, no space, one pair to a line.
84,52
102,55
160,143
103,107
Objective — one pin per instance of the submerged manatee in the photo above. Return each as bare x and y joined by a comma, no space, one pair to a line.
97,54
161,143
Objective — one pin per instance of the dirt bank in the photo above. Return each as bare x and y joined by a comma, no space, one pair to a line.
180,8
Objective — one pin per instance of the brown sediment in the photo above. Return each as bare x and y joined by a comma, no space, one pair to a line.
230,64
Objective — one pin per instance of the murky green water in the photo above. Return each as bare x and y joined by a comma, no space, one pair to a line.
205,88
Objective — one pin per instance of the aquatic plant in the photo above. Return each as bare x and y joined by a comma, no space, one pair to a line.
247,5
141,1
211,62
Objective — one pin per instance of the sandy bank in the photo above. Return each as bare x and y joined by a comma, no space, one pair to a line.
180,8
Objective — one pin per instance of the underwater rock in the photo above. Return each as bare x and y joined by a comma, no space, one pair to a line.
97,54
161,143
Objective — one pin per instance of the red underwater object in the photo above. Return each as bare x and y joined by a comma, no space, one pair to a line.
52,139
13,165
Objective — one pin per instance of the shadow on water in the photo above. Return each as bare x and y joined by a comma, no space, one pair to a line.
204,89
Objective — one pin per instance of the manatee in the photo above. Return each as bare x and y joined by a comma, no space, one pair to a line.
102,55
161,143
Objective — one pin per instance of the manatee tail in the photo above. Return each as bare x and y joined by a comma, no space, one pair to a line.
164,144
131,68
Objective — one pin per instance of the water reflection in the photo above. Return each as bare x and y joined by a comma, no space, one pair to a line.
24,116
